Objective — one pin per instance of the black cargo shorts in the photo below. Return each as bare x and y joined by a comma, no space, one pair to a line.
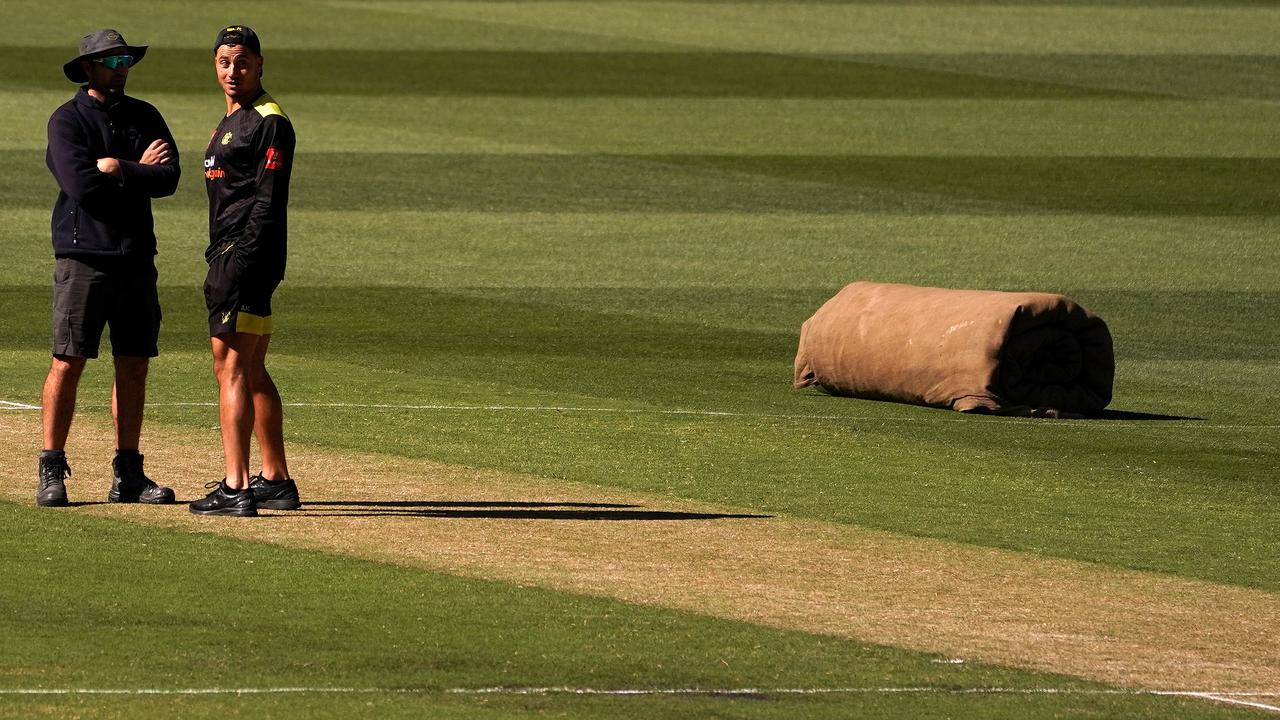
90,293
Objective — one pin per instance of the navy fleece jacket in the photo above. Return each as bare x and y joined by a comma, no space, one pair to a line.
97,213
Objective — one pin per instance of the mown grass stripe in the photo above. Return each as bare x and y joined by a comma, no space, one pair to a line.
753,184
572,74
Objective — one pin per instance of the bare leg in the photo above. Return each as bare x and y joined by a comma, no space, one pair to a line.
59,399
128,397
232,357
268,415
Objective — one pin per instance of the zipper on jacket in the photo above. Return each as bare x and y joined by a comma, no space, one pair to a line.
75,225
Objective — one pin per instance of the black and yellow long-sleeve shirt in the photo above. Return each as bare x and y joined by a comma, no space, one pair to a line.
247,169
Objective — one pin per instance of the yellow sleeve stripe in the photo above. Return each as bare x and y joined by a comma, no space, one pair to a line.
267,106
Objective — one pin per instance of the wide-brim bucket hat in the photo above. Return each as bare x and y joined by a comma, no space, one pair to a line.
101,42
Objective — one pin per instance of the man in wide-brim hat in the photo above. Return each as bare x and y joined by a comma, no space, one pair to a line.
111,154
98,45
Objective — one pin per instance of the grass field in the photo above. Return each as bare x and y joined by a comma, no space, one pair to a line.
548,266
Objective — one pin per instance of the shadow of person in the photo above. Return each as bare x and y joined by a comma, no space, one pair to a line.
506,510
464,504
1127,415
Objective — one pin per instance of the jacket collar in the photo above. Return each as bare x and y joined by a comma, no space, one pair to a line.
84,99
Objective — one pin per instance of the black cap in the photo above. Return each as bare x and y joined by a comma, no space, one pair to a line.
238,35
98,43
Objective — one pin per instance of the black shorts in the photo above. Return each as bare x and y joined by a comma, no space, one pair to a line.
90,293
239,299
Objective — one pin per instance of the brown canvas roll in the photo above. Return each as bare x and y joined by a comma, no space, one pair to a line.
968,350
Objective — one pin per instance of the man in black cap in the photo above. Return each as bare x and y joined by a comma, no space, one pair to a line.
247,169
110,154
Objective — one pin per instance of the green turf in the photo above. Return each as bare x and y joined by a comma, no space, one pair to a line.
634,205
924,706
169,610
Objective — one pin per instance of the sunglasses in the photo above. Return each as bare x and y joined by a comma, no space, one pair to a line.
115,62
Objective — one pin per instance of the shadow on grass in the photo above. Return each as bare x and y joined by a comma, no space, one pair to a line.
463,504
1128,415
516,510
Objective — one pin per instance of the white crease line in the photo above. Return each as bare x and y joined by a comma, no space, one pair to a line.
570,408
9,405
1235,700
1239,698
1045,422
526,408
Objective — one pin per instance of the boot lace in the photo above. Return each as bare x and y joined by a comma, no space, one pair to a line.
53,472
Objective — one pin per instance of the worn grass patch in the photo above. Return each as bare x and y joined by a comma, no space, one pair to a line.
1128,628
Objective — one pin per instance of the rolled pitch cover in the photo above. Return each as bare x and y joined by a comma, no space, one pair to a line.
967,350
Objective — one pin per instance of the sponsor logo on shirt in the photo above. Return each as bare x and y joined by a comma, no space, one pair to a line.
274,159
211,172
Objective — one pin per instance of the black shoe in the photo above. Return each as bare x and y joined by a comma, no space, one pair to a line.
275,494
52,490
225,501
130,485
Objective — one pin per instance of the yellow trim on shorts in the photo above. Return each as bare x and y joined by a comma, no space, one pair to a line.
252,324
